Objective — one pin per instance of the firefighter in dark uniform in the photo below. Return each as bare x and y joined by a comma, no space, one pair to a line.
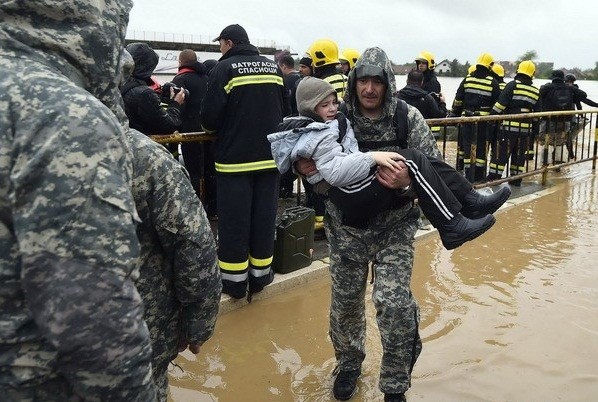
325,64
514,136
475,96
244,103
499,74
426,64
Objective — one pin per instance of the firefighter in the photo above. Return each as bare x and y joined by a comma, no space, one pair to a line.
348,58
475,96
325,61
514,135
243,104
425,64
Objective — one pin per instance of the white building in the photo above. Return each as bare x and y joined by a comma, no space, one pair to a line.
443,67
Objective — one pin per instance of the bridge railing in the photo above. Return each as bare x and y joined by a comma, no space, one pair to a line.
152,36
577,131
556,140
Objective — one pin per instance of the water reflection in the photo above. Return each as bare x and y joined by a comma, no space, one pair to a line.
511,316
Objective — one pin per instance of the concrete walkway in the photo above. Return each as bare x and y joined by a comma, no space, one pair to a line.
319,267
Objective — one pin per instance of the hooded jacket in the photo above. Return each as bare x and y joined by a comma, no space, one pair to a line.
142,104
243,104
71,323
382,130
338,163
194,78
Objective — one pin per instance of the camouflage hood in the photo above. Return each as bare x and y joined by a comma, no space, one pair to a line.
82,39
376,58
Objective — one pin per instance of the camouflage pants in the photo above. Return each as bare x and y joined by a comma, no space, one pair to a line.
388,243
57,389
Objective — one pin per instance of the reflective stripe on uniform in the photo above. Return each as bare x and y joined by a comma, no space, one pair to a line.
252,80
245,167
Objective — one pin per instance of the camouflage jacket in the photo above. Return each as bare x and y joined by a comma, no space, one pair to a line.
69,310
179,277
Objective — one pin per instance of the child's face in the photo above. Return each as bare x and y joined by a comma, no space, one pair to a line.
328,108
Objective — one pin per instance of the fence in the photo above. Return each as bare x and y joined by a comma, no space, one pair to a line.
576,131
152,36
554,140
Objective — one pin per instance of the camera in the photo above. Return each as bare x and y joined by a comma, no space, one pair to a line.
175,89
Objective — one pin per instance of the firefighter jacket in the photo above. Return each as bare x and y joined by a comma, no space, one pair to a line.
243,104
519,96
476,93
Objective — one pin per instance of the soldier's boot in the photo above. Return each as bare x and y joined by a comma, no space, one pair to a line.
461,229
395,398
236,290
345,384
476,204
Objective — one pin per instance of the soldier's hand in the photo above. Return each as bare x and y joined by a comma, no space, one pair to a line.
193,347
394,178
306,167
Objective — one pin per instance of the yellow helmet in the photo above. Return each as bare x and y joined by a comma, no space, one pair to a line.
485,60
323,52
351,56
498,70
526,67
427,57
471,69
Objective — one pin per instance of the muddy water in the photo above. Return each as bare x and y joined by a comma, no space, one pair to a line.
512,316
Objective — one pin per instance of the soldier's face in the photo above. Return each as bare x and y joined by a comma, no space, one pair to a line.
370,93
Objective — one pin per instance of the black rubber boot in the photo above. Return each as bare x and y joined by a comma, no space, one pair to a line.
493,176
395,398
477,205
236,290
257,284
461,229
345,384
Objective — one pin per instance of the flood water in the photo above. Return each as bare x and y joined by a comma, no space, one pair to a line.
512,316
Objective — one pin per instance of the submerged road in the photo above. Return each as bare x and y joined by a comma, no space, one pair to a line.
511,316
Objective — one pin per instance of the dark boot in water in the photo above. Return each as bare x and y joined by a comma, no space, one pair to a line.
461,229
477,205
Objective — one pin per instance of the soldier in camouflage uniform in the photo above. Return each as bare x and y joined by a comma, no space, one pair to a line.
179,279
71,320
387,243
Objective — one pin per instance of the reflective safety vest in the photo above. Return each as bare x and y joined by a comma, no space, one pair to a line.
517,97
339,83
478,95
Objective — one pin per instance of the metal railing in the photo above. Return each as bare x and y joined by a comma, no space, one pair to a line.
556,140
579,137
152,36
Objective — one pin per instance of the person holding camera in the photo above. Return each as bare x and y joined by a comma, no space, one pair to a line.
142,104
198,156
431,105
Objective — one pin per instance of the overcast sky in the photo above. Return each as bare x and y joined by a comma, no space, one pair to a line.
563,32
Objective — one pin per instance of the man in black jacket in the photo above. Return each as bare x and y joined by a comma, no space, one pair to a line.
198,157
244,104
414,95
142,104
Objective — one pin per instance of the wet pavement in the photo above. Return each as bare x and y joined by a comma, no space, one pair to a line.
511,316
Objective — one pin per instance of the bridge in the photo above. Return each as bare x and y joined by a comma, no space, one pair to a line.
168,46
